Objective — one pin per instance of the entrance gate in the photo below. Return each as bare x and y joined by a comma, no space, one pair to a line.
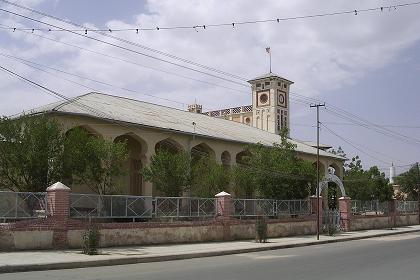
331,217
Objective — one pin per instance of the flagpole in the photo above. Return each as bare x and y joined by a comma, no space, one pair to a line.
270,60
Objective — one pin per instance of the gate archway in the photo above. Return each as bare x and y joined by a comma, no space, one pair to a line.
331,178
331,218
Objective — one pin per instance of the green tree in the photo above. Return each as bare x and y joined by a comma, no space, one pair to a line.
30,153
277,171
35,153
243,181
366,185
208,177
169,172
410,182
102,165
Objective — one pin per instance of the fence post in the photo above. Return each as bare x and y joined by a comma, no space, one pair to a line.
58,197
224,204
224,208
344,204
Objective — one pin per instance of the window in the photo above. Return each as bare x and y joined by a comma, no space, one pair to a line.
284,86
258,85
279,84
267,83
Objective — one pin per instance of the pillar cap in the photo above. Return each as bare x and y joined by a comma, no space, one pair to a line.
314,196
222,194
58,187
344,197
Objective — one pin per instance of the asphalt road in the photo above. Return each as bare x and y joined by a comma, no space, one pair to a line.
393,257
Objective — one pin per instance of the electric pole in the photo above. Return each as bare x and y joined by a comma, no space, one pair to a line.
317,165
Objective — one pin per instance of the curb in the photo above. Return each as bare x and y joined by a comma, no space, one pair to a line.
135,260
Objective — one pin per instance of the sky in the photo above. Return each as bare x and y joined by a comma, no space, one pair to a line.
366,64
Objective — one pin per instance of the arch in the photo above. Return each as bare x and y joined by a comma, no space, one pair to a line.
331,178
87,128
225,158
132,181
240,157
202,150
335,169
168,144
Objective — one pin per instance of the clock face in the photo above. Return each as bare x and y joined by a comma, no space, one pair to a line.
263,98
281,98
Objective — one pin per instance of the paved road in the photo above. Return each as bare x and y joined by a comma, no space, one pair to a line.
393,257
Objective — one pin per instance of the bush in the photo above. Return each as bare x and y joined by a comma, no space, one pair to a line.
332,229
261,229
91,240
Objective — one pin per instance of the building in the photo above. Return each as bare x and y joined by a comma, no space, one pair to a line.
147,127
269,110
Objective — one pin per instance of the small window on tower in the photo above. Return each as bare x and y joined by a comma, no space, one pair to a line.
284,86
267,83
279,84
259,85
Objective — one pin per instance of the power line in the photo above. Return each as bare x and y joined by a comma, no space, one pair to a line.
387,132
85,31
127,49
129,61
231,24
351,144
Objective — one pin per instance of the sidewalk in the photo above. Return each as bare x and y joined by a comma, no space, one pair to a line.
48,260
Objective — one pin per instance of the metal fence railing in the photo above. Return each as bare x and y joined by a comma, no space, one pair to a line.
110,206
294,207
372,207
184,207
21,205
254,207
270,207
407,207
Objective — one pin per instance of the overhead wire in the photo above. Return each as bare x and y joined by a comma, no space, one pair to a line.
128,49
357,147
231,24
85,31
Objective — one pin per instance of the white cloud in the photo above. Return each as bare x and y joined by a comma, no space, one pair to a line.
317,54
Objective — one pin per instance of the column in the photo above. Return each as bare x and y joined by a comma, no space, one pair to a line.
58,200
344,204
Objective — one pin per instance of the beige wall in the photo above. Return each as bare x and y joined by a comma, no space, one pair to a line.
373,222
26,240
147,138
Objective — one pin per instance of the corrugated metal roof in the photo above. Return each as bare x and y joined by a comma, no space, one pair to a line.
151,115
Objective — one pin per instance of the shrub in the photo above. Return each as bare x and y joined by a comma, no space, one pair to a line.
91,240
261,229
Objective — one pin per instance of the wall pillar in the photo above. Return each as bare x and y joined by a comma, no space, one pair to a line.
224,204
344,204
314,202
58,201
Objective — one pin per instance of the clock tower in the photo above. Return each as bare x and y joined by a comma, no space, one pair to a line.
270,102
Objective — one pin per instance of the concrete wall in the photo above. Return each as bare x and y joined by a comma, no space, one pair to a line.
143,236
378,222
26,240
123,234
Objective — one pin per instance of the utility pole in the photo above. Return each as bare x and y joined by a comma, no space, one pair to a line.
317,105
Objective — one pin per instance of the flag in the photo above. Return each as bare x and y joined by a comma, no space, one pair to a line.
268,50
